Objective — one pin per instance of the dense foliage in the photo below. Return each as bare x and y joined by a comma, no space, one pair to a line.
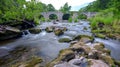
66,8
108,14
18,11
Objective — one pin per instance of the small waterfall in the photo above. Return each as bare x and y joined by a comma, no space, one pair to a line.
25,32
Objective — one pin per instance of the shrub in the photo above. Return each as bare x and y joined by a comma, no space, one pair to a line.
42,19
70,19
76,20
82,16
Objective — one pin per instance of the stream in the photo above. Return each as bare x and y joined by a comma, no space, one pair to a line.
47,44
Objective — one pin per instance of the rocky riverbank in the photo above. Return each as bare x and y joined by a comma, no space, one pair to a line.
84,54
9,32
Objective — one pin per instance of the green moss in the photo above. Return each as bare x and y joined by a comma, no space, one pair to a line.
35,31
78,37
100,36
64,40
107,51
34,61
117,62
89,62
98,31
108,60
65,54
99,47
58,32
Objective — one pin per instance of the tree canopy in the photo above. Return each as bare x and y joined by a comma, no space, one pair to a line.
66,8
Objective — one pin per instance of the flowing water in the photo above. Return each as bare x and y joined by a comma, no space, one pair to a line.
47,44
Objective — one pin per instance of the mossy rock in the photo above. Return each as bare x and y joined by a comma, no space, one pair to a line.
34,60
117,63
108,60
101,36
58,32
65,29
89,62
31,62
64,55
49,29
111,35
107,51
16,53
34,31
99,46
9,35
94,55
80,48
78,37
64,40
98,31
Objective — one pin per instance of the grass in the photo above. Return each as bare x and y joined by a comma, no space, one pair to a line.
111,23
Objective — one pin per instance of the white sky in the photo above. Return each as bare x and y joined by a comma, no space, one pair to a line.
76,4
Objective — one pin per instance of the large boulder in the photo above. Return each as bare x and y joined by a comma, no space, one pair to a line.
7,32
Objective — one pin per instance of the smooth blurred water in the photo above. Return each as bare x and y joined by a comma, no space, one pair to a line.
47,45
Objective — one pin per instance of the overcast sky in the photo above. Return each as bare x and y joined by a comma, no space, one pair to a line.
76,4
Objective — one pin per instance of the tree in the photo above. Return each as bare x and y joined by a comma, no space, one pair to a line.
50,7
14,11
66,8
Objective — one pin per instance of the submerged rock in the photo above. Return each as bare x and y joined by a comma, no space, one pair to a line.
65,39
32,62
15,55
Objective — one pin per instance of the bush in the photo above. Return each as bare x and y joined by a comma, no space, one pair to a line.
37,21
82,16
76,20
42,19
70,19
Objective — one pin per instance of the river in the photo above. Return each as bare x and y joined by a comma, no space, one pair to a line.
47,44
